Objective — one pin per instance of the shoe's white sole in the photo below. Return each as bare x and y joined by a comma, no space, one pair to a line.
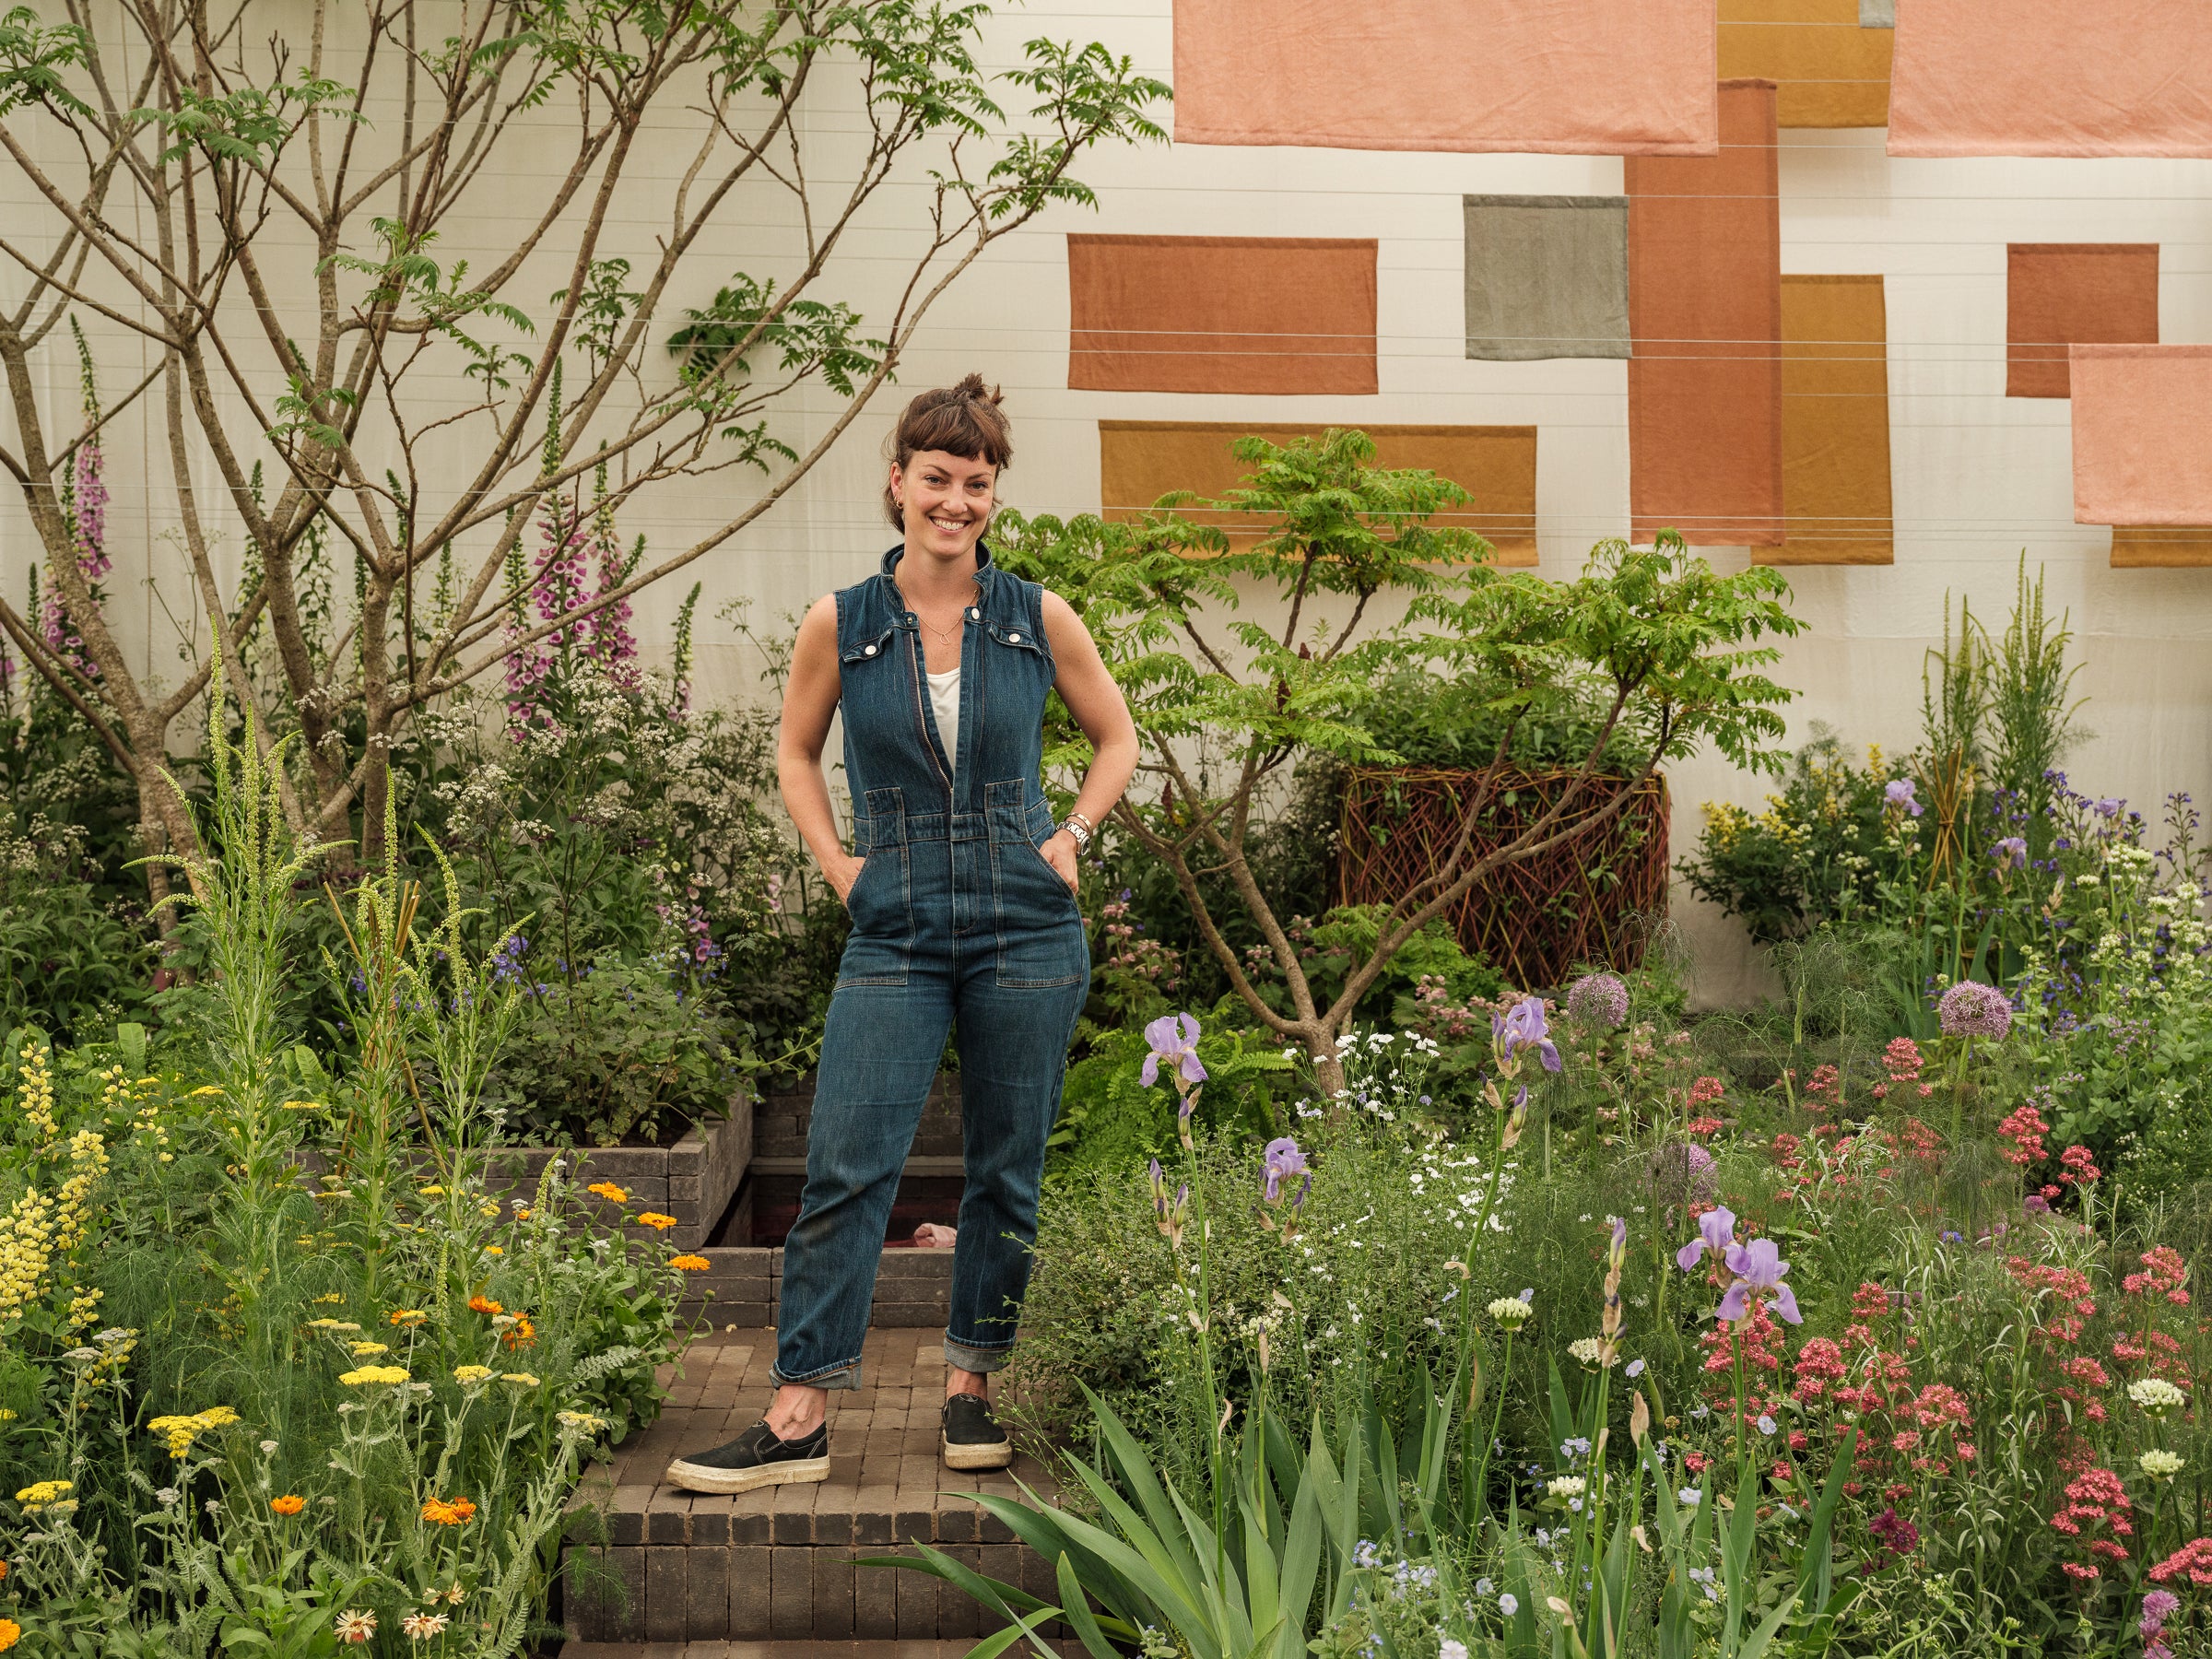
698,1477
978,1457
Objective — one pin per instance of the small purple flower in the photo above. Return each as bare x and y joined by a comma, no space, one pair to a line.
2012,853
1598,999
2110,806
1757,1266
1175,1039
1900,793
1525,1028
1969,1008
1716,1232
2158,1608
2035,1203
1285,1160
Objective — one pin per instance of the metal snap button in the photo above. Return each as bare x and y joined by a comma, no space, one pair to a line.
868,650
1014,639
975,615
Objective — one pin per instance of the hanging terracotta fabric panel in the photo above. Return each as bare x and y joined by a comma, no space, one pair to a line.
1705,322
2058,293
1221,314
1835,424
1615,78
1546,276
2142,434
1830,67
2052,78
1139,461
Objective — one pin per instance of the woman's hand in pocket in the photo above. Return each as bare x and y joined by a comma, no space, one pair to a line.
1060,853
841,872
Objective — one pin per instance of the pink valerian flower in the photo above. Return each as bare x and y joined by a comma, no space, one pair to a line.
2024,1129
2077,1164
2095,1499
2193,1560
1902,1061
2163,1274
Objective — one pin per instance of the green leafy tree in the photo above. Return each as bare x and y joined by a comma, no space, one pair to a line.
1362,585
280,199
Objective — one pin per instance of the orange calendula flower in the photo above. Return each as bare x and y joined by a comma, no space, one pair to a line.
480,1303
10,1633
691,1264
655,1220
522,1333
291,1504
449,1512
408,1316
609,1190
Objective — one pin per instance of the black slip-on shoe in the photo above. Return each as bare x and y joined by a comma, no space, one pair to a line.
755,1458
972,1438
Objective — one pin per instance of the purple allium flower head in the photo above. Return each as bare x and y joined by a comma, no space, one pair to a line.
1525,1027
1900,793
2158,1608
2036,1205
2012,853
1716,1232
1284,1160
1684,1173
1757,1266
1173,1038
1598,999
1969,1008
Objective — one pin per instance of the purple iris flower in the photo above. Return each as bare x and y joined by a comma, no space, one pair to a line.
1177,1044
1757,1266
2110,806
1284,1160
1525,1028
1716,1232
1900,793
2012,853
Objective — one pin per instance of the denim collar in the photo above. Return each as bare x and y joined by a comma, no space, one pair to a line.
985,572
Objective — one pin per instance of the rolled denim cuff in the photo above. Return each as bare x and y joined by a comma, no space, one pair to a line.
969,1356
843,1377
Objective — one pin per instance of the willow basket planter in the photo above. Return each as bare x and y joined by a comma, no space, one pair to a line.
1589,900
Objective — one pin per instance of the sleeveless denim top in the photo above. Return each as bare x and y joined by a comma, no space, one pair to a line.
950,840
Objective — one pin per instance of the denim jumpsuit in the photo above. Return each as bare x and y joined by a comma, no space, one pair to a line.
958,921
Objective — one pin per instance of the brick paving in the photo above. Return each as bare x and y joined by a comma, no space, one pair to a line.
779,1563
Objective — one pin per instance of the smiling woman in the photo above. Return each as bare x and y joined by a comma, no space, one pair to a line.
962,894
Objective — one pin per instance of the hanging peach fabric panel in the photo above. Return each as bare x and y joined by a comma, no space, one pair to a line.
2161,547
2058,293
1626,77
1832,69
2052,78
1835,424
1221,314
1705,324
2142,434
1139,461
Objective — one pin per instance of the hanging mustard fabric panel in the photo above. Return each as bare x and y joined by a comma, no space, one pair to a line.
1829,68
1139,461
1835,424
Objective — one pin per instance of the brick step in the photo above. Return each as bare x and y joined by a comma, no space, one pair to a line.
781,1564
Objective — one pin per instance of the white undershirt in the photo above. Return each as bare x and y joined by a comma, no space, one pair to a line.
944,698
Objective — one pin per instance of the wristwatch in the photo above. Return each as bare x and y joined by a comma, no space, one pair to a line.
1081,828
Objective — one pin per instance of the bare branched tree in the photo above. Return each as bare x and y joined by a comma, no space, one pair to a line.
260,189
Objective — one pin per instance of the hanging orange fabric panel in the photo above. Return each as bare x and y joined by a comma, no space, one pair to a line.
1139,461
1221,314
1705,328
1620,77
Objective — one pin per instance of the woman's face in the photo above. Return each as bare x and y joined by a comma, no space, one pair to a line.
945,501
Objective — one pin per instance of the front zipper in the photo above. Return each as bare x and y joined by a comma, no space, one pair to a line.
914,653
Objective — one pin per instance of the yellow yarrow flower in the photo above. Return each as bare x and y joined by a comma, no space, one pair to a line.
471,1373
520,1379
44,1492
362,1351
369,1374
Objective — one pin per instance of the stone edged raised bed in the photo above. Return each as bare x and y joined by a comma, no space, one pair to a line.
693,1181
913,1287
